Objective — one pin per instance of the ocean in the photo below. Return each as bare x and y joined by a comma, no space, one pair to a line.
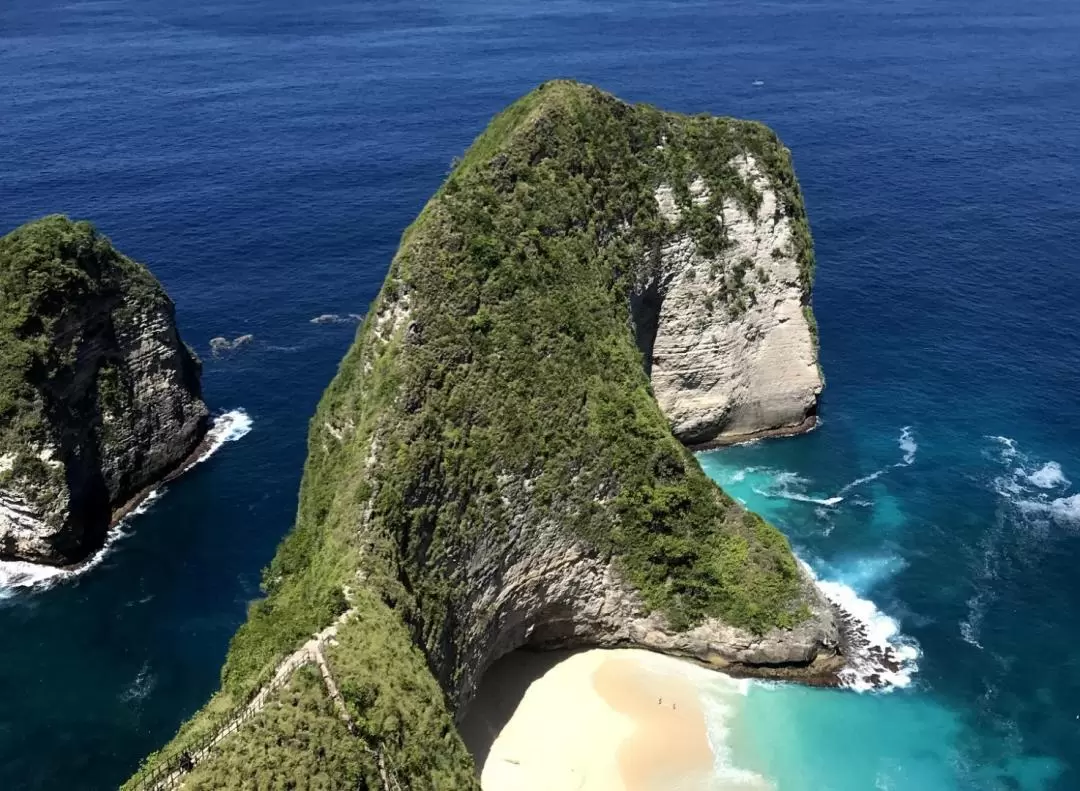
264,156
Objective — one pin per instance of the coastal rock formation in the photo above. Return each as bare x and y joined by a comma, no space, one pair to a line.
99,398
734,355
490,468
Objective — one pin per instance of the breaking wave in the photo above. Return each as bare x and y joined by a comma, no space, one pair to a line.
17,574
909,446
1029,485
784,488
1027,513
1049,476
881,657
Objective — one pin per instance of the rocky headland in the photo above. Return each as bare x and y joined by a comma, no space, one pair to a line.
502,459
99,397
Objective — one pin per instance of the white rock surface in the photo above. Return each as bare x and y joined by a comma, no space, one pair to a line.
722,373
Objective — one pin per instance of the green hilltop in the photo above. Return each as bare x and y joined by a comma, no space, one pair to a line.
501,348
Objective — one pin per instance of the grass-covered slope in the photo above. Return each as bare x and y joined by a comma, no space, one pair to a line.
500,357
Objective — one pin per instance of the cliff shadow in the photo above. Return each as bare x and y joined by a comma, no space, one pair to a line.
498,695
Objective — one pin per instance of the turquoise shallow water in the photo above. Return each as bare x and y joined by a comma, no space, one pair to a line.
874,537
264,156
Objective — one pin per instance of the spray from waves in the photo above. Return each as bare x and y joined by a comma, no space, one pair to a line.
880,657
228,427
16,574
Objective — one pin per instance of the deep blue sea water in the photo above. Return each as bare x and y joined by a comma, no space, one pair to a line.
263,157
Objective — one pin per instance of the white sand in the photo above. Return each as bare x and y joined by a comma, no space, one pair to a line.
622,720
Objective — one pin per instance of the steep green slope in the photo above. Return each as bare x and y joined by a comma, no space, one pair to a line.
496,408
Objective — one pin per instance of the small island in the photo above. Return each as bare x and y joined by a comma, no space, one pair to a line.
504,457
99,398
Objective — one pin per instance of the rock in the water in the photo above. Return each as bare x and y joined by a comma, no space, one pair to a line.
222,345
99,397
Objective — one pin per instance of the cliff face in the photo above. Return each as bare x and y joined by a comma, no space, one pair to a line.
734,354
490,468
99,398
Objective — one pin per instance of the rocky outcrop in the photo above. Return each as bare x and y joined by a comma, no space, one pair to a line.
536,586
494,465
734,351
99,398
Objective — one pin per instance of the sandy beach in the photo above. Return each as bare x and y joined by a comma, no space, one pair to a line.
600,720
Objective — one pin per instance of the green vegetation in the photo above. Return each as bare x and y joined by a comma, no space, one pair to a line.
52,271
517,362
310,745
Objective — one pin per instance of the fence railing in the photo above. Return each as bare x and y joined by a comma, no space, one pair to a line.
170,773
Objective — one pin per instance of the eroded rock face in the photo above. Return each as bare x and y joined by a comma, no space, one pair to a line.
734,353
536,586
103,404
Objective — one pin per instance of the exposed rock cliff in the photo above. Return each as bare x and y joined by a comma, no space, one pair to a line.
489,469
734,354
99,398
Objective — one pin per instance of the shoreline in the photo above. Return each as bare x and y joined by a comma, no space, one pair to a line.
220,431
808,424
637,723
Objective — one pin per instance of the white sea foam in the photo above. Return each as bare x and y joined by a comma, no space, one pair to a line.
17,574
1048,476
909,446
337,318
883,658
1028,485
783,488
859,481
722,699
1007,447
1063,510
228,427
786,494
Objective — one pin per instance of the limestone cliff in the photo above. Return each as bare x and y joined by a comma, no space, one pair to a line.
490,468
99,398
734,355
